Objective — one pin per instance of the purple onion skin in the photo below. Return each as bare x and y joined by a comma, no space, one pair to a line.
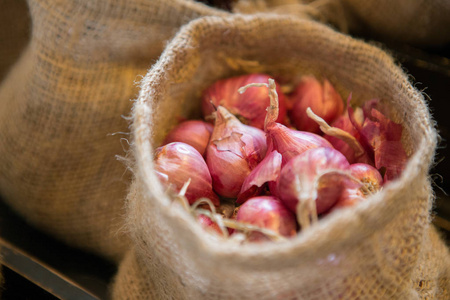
270,213
249,107
267,171
234,151
290,143
176,163
309,167
322,98
192,132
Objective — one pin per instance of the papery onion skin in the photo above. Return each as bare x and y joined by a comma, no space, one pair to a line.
384,136
369,181
234,150
330,187
290,143
344,123
267,212
176,163
209,225
308,168
249,108
351,195
192,132
268,170
369,176
226,184
381,137
321,98
344,137
286,141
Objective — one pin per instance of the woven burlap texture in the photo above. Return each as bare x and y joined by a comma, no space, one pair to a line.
61,105
379,249
416,22
14,32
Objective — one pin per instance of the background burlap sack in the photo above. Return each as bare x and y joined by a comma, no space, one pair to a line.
416,22
384,248
14,32
62,101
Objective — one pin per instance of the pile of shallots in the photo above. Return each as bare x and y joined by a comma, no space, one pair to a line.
263,164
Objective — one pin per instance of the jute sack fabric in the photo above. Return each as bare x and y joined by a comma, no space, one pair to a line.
61,105
14,32
416,22
384,248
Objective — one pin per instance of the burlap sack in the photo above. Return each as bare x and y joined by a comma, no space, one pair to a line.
14,35
384,248
416,22
61,104
14,32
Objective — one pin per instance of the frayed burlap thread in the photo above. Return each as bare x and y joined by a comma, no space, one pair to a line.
60,113
378,249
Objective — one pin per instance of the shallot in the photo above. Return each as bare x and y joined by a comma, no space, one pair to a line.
192,132
348,135
249,109
234,150
267,212
321,98
364,180
267,171
307,185
383,136
343,122
177,163
208,224
286,141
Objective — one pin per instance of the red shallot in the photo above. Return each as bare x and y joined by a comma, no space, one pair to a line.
303,187
192,132
321,98
208,224
383,136
267,212
177,163
350,144
249,109
343,122
364,181
267,171
234,150
287,142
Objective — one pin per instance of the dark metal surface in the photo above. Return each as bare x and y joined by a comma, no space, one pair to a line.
48,268
42,275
